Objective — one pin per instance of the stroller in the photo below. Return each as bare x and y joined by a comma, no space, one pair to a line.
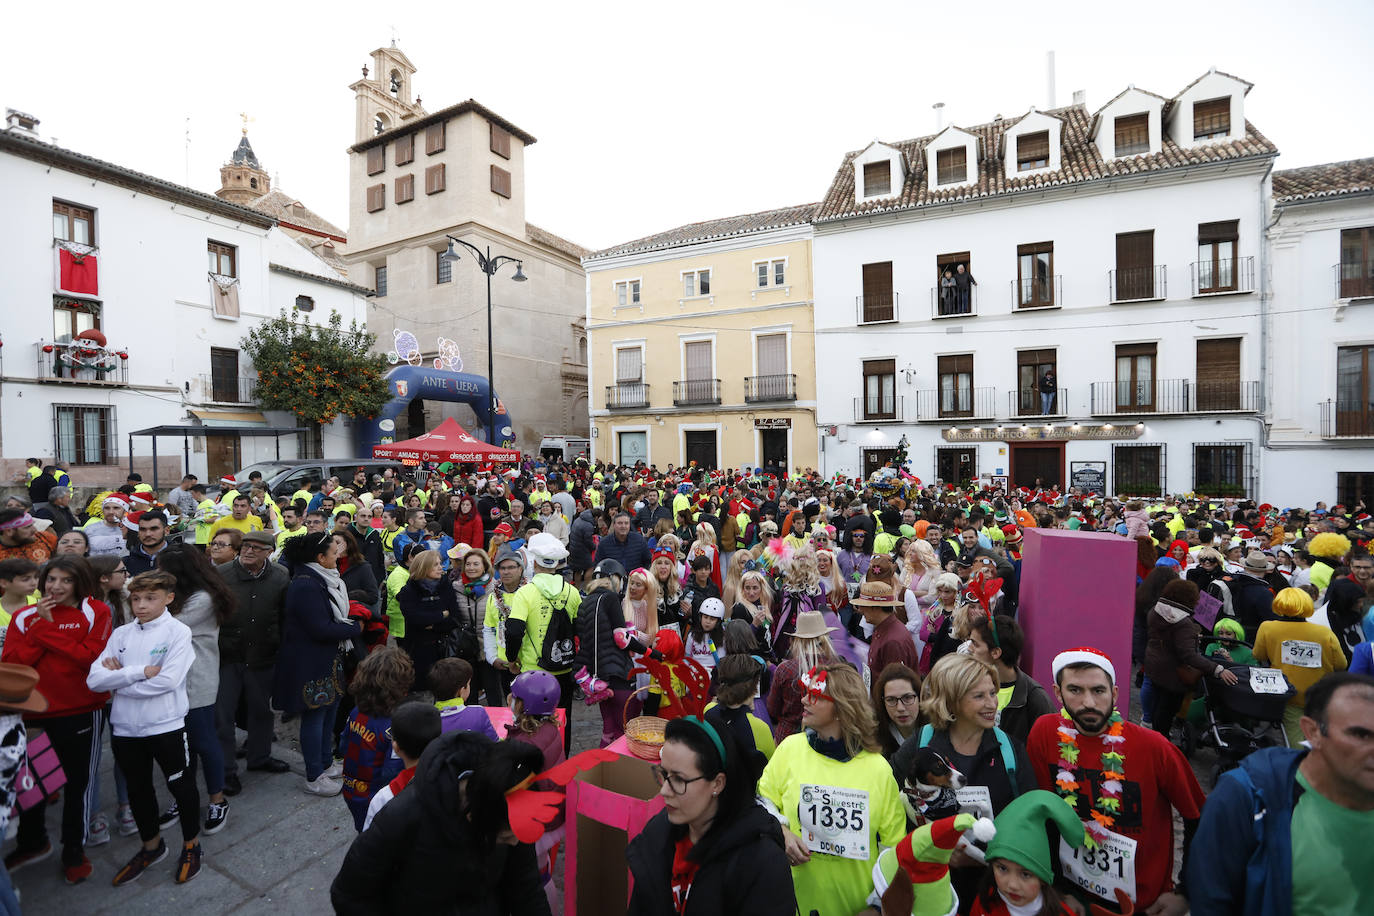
1241,718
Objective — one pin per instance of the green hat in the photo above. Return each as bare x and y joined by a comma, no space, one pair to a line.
1021,835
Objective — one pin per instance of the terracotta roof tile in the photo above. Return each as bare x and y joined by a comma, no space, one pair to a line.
1081,162
713,229
558,243
286,209
1331,179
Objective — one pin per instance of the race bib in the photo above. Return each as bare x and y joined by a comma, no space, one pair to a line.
1300,653
834,821
975,800
1103,870
1267,680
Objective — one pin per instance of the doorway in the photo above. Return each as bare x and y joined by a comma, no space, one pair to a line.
699,445
632,448
956,465
1037,466
221,456
877,458
773,450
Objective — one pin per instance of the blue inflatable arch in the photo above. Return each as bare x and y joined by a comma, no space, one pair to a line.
410,382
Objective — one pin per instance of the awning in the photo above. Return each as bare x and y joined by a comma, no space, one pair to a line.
229,417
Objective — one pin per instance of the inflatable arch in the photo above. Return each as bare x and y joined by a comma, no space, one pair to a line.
410,382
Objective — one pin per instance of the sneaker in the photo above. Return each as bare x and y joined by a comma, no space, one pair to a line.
75,874
19,858
335,770
169,817
232,784
139,863
127,825
323,786
98,831
188,865
215,816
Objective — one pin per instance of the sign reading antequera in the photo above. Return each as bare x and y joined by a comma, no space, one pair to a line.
772,423
1040,433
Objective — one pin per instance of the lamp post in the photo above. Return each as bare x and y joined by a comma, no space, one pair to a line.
488,265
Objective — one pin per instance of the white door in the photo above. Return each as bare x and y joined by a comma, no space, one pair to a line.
633,447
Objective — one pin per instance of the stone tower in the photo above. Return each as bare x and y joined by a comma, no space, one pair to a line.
385,100
242,179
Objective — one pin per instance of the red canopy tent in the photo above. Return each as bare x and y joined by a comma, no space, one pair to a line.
446,442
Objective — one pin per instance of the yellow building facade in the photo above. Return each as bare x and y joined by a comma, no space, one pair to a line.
702,346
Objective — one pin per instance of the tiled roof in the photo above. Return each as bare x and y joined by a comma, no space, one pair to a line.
324,250
558,243
1331,179
321,278
286,209
1081,162
1248,85
714,229
443,114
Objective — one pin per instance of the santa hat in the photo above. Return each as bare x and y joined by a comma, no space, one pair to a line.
1011,534
1021,834
142,499
1082,655
131,520
227,483
504,528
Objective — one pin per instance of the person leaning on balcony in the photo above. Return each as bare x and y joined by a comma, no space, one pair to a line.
963,293
1049,385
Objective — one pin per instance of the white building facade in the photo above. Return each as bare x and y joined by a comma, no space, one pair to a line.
1121,253
173,279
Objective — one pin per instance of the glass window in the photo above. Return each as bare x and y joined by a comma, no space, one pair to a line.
779,273
763,275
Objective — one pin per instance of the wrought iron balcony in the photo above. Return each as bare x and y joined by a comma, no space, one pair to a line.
1134,284
770,388
1037,293
1173,396
627,395
1347,419
228,389
1226,275
948,302
81,362
936,404
1028,402
1353,281
691,392
882,409
875,309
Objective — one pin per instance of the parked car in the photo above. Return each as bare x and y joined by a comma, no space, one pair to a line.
286,477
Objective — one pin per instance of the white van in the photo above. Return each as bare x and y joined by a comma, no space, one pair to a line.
565,448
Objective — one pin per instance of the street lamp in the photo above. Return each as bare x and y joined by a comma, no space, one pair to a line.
488,265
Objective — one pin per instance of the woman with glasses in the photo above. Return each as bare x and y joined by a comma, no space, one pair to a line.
1208,569
224,546
834,793
711,850
897,704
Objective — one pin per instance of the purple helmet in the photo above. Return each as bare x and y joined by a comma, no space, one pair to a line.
538,690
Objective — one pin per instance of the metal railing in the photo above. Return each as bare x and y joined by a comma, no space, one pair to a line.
1347,419
80,363
936,404
696,391
888,409
770,388
1029,402
875,309
949,302
1132,284
228,389
1226,275
623,395
1173,396
1037,292
1352,282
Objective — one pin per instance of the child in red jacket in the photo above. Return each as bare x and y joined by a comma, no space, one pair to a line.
59,637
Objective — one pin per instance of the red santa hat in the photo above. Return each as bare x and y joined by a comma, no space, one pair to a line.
118,499
504,528
227,483
141,499
1083,655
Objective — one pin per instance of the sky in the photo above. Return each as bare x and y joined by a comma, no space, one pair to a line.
652,115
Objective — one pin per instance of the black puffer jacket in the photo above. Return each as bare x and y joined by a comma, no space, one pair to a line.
744,870
581,543
252,634
420,855
600,615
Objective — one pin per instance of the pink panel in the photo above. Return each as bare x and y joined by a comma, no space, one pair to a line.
1077,589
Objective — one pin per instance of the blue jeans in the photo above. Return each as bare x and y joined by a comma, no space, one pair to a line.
317,740
9,904
1147,698
204,741
1046,402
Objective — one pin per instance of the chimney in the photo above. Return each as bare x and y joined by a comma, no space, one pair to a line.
1049,77
1080,97
939,116
20,122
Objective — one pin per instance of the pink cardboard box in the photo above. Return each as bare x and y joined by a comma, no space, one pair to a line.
1077,589
607,807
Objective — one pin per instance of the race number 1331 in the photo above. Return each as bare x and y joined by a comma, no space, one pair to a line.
834,821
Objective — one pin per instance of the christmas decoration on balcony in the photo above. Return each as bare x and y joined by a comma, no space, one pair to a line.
88,352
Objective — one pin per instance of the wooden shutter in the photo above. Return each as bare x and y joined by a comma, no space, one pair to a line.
405,149
877,291
376,198
629,365
1135,256
405,189
877,178
1033,150
1211,118
500,141
958,364
500,181
952,165
435,139
1224,231
697,356
772,354
376,159
434,179
1218,374
1132,134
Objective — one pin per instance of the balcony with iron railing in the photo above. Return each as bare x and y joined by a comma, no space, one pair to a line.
1029,402
881,409
627,395
693,392
951,302
1173,396
1353,280
759,388
81,363
1224,275
228,389
1347,419
1032,293
875,309
937,404
1138,284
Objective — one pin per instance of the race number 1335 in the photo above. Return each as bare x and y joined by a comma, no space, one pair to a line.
834,821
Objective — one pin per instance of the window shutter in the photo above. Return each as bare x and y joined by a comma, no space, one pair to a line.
878,282
1135,250
877,178
773,354
434,179
405,149
376,198
697,355
629,365
1033,150
1132,134
500,181
1224,231
1211,118
435,138
951,165
1218,374
500,141
405,189
376,159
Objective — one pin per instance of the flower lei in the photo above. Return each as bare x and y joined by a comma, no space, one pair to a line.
1113,774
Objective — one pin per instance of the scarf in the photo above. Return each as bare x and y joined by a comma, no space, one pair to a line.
476,587
834,748
338,592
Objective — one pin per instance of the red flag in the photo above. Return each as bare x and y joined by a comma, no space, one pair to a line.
78,273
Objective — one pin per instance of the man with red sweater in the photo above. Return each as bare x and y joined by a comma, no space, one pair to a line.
61,636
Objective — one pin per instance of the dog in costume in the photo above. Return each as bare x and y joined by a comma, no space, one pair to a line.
913,876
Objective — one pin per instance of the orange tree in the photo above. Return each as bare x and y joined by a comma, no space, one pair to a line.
318,372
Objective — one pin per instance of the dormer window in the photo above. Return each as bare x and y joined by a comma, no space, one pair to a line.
1032,151
877,178
1133,134
1212,118
951,166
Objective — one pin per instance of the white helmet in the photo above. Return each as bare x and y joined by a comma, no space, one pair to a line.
546,550
713,607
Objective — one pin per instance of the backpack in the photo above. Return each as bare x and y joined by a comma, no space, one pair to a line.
1003,742
560,639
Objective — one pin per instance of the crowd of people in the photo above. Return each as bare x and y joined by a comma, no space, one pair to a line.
840,661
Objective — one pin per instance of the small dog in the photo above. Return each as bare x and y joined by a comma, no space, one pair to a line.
931,784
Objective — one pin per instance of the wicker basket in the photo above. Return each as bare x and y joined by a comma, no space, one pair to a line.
644,735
